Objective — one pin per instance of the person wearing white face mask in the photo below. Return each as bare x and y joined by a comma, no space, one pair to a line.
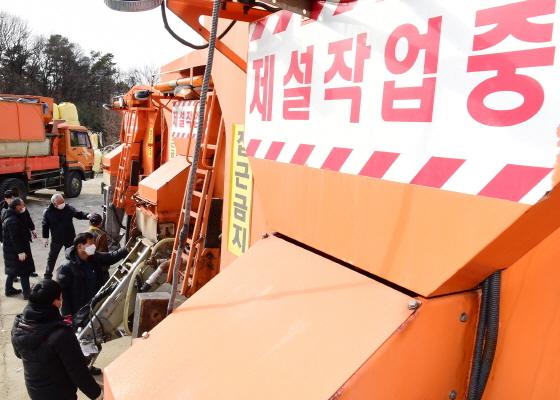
81,275
58,220
9,195
16,238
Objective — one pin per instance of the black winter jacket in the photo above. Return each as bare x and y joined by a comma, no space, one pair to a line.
60,223
16,239
28,220
72,277
53,362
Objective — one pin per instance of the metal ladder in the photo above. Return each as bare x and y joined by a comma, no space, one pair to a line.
200,263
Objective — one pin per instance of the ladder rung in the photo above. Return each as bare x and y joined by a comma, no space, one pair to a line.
211,146
202,171
194,214
197,193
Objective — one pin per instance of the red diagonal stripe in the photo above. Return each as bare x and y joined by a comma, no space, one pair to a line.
345,6
274,151
302,154
283,22
259,29
252,147
437,171
378,164
336,158
513,182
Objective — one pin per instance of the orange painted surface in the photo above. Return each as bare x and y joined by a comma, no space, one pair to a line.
19,165
527,362
417,237
21,121
274,325
427,358
111,161
166,186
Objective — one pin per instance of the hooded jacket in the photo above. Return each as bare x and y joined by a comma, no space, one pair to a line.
72,276
60,223
16,238
53,362
30,225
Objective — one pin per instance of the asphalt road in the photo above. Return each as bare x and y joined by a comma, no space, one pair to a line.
12,384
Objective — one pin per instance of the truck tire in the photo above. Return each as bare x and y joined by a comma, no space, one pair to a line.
73,184
15,184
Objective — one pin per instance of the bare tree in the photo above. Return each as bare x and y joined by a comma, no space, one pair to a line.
144,75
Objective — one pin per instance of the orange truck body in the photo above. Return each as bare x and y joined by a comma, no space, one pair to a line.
350,285
39,153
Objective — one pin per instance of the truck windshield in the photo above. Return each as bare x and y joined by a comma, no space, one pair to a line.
79,139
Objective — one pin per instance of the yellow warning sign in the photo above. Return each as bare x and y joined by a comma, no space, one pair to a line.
240,195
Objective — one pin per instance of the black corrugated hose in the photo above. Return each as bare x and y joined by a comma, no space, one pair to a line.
486,336
192,174
183,41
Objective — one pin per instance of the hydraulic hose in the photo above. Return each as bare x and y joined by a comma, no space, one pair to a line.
194,166
128,296
131,284
183,41
479,342
486,336
491,341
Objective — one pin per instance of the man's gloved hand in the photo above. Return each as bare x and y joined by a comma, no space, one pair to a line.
34,234
22,256
89,215
45,242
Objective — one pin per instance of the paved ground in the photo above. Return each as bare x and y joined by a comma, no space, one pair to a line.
12,384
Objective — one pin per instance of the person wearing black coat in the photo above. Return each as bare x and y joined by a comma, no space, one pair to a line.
16,241
9,195
53,363
81,274
58,219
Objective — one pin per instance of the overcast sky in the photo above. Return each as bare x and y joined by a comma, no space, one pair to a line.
135,39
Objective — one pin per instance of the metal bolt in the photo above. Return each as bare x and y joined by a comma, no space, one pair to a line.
453,395
413,304
264,235
145,335
464,317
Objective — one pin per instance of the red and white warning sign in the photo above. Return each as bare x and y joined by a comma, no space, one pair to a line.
184,119
461,96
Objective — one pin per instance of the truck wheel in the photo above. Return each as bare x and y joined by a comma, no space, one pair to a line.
15,184
73,184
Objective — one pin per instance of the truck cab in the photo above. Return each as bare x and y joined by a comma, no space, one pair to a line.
76,151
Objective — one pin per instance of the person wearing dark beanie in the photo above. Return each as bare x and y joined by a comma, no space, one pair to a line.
53,362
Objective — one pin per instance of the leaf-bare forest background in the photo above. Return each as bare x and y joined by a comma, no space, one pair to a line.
56,67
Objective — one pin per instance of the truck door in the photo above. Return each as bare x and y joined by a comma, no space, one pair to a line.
80,149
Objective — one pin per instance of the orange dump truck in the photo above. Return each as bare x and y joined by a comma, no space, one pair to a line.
37,152
391,216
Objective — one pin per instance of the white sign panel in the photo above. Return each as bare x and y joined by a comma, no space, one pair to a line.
461,96
184,118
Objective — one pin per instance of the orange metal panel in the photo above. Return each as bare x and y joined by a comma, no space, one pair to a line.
9,129
279,323
20,165
111,161
527,362
31,121
414,236
21,121
166,186
427,358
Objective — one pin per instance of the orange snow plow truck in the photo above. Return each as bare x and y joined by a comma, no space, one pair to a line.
37,152
391,216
